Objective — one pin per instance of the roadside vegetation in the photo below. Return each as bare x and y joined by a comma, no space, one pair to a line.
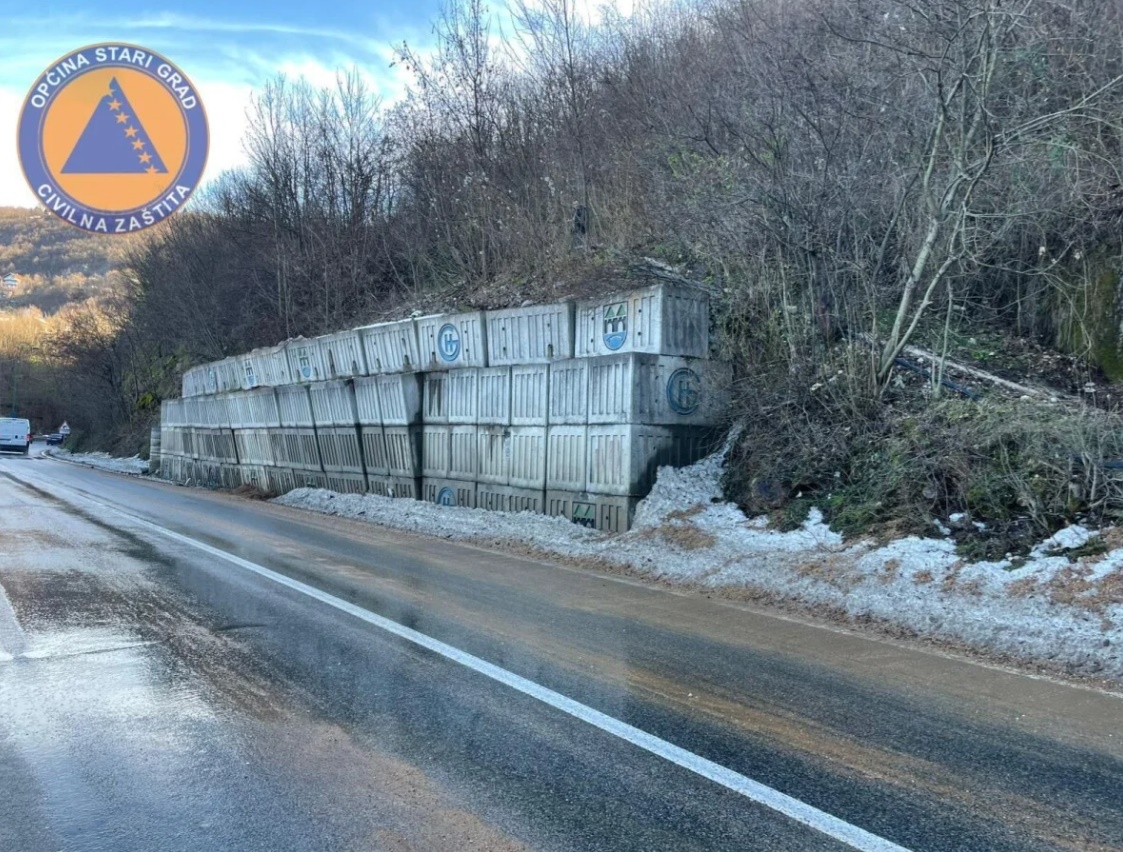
907,215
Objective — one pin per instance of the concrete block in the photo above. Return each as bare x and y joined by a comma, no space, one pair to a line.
494,396
343,354
333,403
567,458
503,498
607,513
536,334
530,394
403,450
453,340
622,459
662,320
449,492
391,347
657,390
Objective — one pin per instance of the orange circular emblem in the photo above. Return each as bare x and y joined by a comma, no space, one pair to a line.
113,138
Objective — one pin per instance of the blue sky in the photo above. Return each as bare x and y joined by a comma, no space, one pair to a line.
226,47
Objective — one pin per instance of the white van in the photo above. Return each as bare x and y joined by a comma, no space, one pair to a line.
15,434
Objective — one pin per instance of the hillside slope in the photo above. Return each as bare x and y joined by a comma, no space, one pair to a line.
54,262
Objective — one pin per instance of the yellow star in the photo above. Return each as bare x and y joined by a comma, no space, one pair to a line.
138,144
130,132
122,118
151,170
114,104
144,158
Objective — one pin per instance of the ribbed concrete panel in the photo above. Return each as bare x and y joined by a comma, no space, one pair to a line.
623,459
281,480
494,454
305,360
657,390
399,398
333,403
339,449
231,476
229,375
217,445
449,492
172,413
347,483
294,406
255,475
373,441
597,511
193,381
391,347
436,451
434,399
403,450
211,378
494,396
254,409
366,402
502,498
463,396
454,340
192,411
536,334
660,320
296,447
216,411
566,458
530,402
463,453
568,391
254,446
310,479
264,367
404,488
343,355
528,456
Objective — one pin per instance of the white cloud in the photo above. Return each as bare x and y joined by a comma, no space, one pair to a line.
14,191
226,105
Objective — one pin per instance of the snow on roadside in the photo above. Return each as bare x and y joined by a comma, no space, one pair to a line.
135,465
1047,609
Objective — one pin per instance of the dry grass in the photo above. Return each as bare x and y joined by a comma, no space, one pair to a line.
687,536
251,492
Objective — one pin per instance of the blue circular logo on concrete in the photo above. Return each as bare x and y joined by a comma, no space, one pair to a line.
448,342
446,497
684,391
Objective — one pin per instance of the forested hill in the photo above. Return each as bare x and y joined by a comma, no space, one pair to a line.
55,263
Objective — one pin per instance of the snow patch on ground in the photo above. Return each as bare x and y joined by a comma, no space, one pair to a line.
135,465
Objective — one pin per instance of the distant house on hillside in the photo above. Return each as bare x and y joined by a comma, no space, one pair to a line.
10,281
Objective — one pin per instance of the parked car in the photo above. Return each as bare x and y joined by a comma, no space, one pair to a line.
15,434
54,438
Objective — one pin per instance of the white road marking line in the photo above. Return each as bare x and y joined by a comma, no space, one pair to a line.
832,826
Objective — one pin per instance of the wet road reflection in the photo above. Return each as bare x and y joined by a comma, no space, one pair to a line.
156,697
152,700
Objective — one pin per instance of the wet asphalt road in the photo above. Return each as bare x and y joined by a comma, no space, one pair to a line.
154,696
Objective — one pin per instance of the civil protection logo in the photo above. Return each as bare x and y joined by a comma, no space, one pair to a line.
113,138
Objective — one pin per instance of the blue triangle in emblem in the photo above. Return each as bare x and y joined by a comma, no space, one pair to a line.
114,141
